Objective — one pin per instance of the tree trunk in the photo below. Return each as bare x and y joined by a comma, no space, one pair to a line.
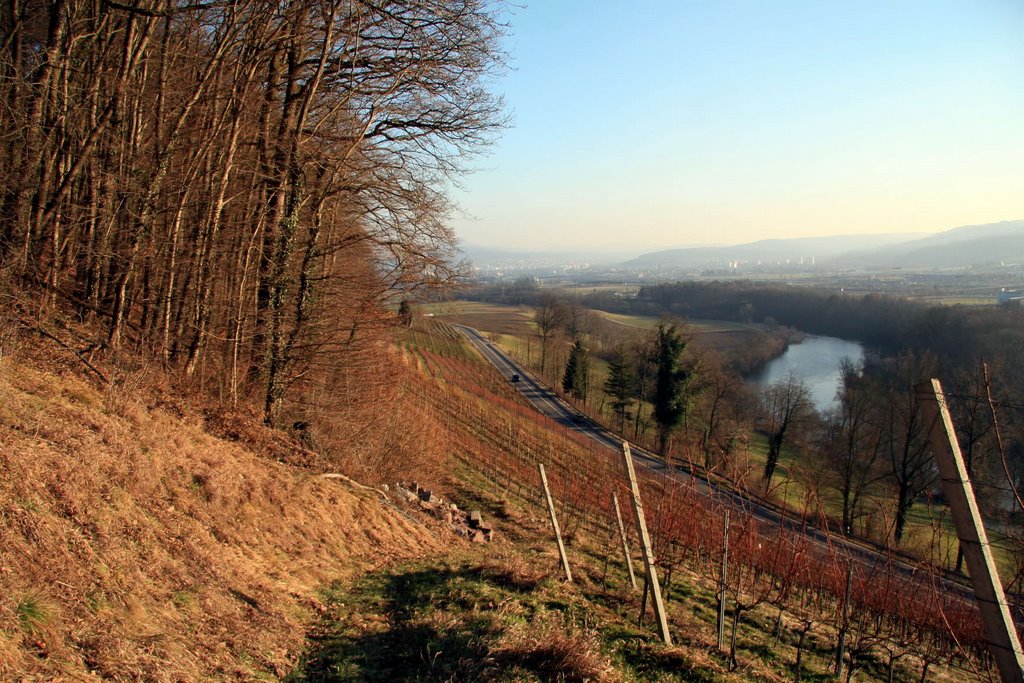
737,614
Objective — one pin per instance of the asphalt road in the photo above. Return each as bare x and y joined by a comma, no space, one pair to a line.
547,402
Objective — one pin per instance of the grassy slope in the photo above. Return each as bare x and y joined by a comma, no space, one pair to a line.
506,614
137,544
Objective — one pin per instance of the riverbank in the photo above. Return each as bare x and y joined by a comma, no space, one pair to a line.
816,360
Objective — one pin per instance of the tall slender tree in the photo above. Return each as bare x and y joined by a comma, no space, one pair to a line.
619,385
644,357
576,379
852,441
787,406
673,383
550,315
912,468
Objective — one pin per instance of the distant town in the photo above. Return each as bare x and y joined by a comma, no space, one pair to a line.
975,265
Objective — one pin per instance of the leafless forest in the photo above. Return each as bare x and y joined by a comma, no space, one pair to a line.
237,187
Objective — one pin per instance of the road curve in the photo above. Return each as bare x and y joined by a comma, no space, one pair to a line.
548,403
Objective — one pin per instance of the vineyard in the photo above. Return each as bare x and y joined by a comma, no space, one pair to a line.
874,613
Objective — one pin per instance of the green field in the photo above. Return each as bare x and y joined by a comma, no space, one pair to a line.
957,300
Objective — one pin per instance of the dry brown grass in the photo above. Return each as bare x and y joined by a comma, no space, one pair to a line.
514,570
493,318
147,548
556,651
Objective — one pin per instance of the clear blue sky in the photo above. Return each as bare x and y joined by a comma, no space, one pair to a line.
673,123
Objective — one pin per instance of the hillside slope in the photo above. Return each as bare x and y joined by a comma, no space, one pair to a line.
146,540
991,243
768,250
135,544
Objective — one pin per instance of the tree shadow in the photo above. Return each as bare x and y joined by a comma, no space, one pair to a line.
380,630
429,624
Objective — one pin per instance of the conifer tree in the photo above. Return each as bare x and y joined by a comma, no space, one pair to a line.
405,313
619,386
672,390
575,381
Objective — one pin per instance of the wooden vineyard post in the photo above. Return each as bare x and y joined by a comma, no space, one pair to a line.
554,523
625,543
844,621
988,591
645,546
722,583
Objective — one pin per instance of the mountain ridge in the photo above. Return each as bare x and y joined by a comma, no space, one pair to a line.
769,249
960,247
965,246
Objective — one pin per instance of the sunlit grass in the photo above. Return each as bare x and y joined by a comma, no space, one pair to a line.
695,326
636,321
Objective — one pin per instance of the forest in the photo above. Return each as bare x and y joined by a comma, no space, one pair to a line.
240,190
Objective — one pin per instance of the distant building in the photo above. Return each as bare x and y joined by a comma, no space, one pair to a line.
1010,297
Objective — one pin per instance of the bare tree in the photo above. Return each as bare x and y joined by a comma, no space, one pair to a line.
718,410
852,442
644,354
786,407
550,315
912,470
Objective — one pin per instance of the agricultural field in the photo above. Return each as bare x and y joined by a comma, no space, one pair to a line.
488,318
699,326
986,300
721,336
517,321
620,289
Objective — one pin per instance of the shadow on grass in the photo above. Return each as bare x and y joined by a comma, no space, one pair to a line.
431,624
381,630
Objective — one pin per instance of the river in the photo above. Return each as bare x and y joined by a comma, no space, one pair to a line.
816,361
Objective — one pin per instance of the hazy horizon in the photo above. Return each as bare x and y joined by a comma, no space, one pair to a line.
633,248
692,124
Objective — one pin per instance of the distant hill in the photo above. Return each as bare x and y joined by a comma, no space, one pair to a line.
970,245
963,247
495,257
769,250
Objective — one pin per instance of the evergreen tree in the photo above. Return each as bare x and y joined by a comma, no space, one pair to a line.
405,313
577,370
672,390
620,386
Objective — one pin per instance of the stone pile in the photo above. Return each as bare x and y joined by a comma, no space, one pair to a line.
468,524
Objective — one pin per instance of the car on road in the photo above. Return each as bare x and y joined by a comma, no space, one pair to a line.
514,378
